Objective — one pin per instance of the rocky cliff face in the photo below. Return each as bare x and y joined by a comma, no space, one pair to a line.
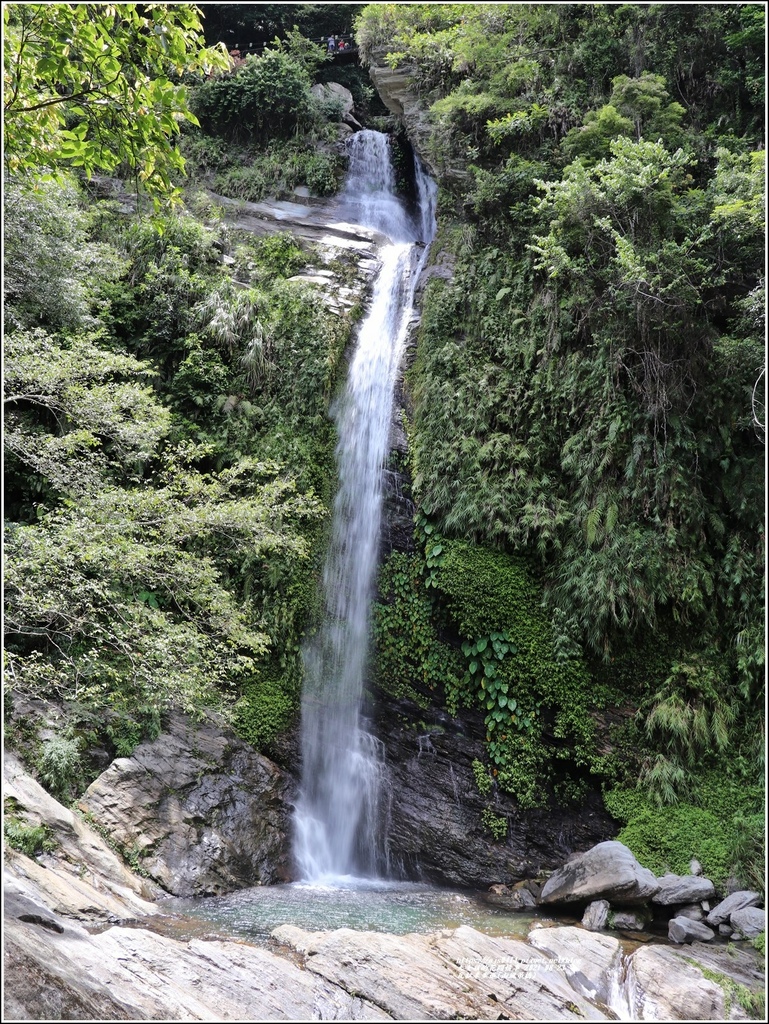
398,93
198,809
433,807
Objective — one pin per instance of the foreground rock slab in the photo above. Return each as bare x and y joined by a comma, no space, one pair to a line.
590,961
460,974
668,984
64,973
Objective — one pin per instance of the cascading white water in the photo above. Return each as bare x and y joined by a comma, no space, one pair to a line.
335,819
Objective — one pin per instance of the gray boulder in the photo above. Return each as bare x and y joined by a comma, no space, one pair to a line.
607,871
596,916
628,920
749,922
333,92
683,889
737,901
683,929
691,910
522,899
201,811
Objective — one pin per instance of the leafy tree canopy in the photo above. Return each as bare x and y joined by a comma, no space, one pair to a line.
97,86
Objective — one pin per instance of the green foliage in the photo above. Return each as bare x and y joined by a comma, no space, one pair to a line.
482,778
410,659
535,431
127,730
721,825
495,824
265,710
101,417
89,86
54,275
280,255
60,768
667,840
29,839
513,672
265,94
167,440
95,563
277,169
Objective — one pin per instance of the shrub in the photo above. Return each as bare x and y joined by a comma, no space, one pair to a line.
264,710
28,839
266,93
60,767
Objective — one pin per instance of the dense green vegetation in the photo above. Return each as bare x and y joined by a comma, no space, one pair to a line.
169,458
586,442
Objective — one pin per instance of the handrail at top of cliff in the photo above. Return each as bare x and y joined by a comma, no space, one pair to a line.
239,53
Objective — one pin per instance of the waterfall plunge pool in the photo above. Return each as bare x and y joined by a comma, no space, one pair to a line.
346,902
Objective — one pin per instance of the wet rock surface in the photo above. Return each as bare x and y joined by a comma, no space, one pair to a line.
202,811
432,806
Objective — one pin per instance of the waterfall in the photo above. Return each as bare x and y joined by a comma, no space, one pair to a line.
336,815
